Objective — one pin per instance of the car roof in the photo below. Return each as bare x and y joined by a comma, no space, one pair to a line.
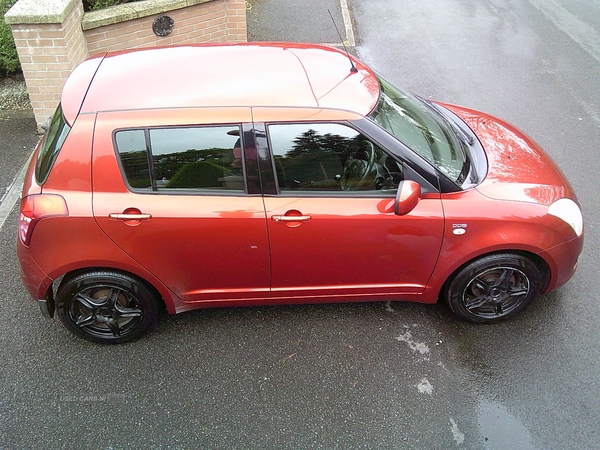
221,75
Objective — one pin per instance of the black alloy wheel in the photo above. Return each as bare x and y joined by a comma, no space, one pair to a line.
493,288
107,307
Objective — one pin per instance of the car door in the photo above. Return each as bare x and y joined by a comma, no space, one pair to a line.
332,227
176,200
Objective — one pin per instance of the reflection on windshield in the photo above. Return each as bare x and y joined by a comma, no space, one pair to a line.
421,128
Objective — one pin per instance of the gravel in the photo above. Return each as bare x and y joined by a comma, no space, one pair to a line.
13,93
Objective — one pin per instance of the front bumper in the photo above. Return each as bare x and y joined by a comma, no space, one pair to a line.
562,259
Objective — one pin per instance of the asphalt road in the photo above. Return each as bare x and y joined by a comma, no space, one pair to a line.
534,382
370,375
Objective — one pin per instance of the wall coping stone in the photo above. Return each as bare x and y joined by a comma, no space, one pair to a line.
133,10
40,11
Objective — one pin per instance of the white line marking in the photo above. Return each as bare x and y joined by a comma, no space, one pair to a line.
348,23
583,33
13,193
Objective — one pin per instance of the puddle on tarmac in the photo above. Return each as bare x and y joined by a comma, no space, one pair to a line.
502,430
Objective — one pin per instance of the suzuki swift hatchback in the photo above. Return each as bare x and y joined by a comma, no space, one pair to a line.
253,174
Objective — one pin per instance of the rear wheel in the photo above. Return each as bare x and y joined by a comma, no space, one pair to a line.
493,288
107,307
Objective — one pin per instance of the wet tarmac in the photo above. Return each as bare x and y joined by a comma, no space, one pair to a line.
370,375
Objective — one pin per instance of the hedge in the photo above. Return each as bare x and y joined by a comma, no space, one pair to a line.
9,59
92,5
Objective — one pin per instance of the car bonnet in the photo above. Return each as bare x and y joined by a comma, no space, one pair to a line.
518,168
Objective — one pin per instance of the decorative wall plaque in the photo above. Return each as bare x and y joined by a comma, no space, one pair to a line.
162,25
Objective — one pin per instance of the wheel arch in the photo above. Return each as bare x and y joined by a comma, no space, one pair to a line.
494,287
441,277
536,259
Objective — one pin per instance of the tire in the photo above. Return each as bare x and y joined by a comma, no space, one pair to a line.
493,288
107,307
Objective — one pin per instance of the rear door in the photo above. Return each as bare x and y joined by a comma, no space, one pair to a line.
332,226
176,199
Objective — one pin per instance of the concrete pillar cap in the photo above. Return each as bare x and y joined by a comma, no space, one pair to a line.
36,11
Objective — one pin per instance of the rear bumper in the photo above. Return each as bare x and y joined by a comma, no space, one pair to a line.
36,282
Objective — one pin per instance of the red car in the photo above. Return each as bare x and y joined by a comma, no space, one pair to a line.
251,174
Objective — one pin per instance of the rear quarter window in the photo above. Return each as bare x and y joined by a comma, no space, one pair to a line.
51,144
134,157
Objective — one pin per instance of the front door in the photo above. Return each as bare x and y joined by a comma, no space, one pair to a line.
332,227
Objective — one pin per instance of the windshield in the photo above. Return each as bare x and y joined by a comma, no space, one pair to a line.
423,129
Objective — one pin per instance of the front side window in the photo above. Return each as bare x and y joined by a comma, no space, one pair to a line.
182,158
52,142
317,157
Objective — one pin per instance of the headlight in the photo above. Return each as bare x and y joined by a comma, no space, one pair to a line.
567,210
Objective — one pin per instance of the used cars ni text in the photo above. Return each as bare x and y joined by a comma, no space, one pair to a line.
276,173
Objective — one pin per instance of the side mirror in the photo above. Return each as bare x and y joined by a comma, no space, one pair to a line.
407,197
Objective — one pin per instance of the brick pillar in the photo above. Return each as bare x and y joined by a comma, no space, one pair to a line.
50,43
236,21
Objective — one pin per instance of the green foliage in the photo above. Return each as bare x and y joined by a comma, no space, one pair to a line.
93,5
9,59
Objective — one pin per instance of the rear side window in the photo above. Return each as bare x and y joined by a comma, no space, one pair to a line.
51,144
207,158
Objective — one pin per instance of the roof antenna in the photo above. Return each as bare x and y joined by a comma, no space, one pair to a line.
353,68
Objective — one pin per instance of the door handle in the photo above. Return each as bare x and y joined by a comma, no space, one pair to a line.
291,218
124,216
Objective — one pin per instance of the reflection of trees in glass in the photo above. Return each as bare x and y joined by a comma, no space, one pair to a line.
316,158
167,166
136,168
312,141
201,174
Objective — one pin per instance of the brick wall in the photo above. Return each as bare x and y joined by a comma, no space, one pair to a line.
52,38
215,21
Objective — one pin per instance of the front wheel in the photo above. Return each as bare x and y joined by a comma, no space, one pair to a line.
107,307
492,288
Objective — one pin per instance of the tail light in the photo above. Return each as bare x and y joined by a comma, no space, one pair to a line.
37,207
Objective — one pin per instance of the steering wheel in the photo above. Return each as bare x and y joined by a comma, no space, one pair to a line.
356,170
